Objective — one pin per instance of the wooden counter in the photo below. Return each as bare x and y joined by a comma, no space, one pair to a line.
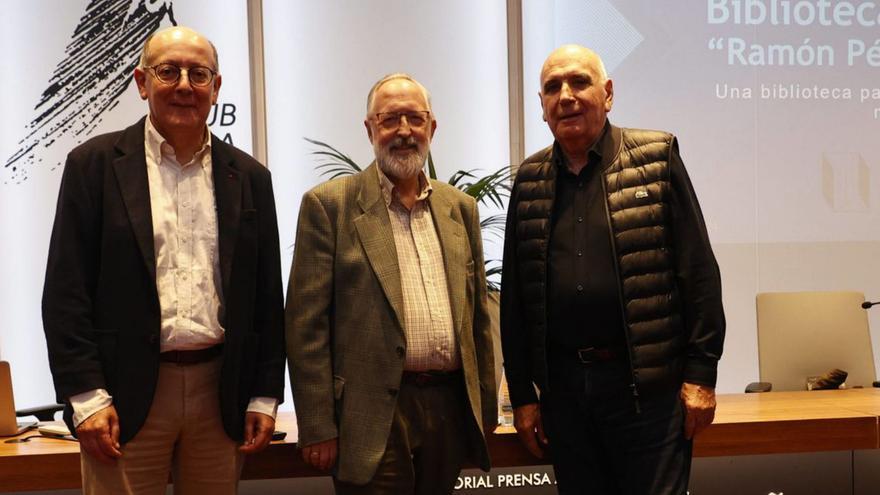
770,423
788,422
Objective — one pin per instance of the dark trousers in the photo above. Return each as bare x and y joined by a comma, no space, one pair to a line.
600,445
427,445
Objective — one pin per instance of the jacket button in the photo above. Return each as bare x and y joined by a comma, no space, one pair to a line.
392,392
400,351
153,338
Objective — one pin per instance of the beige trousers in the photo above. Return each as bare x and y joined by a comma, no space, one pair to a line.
183,436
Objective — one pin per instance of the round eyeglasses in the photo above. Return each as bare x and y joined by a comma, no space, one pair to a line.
169,74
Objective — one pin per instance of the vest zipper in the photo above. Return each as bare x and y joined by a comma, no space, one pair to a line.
626,332
544,256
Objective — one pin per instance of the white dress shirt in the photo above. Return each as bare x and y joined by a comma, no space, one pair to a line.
185,240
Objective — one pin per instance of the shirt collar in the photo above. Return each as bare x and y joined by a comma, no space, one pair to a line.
157,146
594,154
389,190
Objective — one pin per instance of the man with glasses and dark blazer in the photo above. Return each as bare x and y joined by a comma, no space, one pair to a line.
162,303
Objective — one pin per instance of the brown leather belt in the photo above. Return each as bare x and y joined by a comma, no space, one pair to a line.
589,355
191,357
431,378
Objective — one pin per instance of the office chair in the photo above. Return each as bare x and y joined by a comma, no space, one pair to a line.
807,334
42,413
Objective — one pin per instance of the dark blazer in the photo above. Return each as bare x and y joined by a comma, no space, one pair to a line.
100,303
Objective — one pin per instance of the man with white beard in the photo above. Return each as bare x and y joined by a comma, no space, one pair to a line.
388,338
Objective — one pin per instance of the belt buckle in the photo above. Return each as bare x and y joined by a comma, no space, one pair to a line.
172,357
585,355
424,379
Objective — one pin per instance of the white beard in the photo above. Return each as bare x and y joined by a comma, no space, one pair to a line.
405,167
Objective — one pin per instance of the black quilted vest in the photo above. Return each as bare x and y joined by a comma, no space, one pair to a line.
637,191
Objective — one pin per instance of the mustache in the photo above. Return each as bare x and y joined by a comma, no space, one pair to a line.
401,142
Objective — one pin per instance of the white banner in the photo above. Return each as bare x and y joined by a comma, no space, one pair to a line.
67,76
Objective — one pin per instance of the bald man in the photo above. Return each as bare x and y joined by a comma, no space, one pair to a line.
162,304
387,322
611,296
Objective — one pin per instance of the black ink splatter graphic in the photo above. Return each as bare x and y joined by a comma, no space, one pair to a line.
101,56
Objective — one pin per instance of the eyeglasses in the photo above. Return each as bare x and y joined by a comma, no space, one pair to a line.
169,74
390,121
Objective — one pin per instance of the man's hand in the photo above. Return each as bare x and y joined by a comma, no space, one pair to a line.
699,408
530,428
258,429
321,455
99,435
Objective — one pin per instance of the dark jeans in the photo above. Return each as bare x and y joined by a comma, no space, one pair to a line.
600,445
427,445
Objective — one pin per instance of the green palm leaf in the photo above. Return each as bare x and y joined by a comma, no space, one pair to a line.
492,271
488,189
432,172
494,225
332,162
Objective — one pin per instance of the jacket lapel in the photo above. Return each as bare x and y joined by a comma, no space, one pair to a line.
131,174
227,194
453,242
374,231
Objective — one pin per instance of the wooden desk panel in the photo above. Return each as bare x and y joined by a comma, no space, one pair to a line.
771,423
39,472
789,422
785,437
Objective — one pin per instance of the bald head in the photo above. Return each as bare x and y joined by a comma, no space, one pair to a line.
569,53
171,34
576,95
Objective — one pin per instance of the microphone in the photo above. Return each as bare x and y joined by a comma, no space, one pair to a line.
868,304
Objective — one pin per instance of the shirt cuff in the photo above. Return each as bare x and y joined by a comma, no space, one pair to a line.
264,405
87,403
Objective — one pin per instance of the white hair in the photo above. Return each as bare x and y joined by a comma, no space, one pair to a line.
390,77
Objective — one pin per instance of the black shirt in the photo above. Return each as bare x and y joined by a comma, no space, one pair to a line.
697,279
583,303
584,307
